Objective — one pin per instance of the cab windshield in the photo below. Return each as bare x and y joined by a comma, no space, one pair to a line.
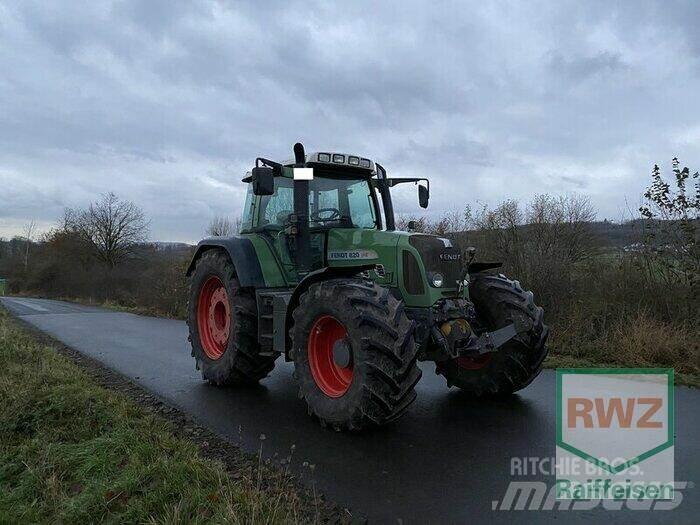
338,203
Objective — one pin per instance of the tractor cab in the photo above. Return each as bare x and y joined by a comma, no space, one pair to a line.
334,202
309,211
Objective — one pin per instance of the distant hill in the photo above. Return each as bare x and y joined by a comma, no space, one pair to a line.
166,245
618,235
607,234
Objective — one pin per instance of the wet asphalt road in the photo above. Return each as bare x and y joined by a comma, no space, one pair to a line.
447,460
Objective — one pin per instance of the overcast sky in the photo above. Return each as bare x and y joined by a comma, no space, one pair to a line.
168,103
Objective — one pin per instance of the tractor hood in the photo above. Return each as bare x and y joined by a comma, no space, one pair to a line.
413,263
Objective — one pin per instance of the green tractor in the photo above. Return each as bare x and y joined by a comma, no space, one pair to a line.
319,274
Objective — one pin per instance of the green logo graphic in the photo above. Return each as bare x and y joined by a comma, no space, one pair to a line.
639,457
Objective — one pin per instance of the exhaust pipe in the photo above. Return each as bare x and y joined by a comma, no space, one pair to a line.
299,154
301,212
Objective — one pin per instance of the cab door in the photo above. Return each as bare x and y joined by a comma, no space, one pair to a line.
272,223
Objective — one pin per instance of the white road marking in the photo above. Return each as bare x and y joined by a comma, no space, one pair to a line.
30,305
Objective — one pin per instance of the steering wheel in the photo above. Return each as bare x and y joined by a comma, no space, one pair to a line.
334,215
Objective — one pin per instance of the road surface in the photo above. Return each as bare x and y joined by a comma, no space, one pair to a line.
447,460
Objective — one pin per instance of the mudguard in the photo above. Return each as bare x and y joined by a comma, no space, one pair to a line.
322,274
242,254
477,267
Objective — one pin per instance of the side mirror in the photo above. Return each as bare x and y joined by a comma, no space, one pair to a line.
263,181
411,226
423,196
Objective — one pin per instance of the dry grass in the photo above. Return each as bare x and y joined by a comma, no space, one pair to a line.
635,339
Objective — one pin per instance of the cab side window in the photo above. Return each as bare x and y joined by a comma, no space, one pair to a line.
361,206
276,208
248,210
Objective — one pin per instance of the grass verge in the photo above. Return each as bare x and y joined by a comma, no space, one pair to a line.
72,451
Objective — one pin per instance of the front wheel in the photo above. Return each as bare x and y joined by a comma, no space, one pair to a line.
354,354
499,302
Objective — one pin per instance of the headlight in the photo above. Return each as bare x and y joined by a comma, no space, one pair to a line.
437,280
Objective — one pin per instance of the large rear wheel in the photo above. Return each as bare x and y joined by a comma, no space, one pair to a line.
499,302
222,321
354,354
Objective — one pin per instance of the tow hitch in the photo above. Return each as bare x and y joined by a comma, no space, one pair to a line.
458,340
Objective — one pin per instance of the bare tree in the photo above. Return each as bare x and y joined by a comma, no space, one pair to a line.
501,232
221,226
575,232
559,227
113,227
29,230
420,224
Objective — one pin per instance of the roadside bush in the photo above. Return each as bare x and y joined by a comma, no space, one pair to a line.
162,284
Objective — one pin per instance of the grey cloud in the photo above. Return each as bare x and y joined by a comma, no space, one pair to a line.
582,68
454,151
168,103
575,182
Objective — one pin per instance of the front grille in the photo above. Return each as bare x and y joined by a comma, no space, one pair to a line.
439,256
412,278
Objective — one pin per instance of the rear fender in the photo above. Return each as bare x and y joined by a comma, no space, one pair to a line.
242,254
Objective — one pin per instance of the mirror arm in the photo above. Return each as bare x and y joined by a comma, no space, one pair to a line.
401,180
276,166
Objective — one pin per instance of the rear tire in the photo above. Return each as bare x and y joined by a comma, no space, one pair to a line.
499,302
376,383
223,332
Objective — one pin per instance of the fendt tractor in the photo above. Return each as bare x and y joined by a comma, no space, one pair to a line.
320,275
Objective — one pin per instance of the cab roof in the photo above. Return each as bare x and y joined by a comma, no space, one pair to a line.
331,164
333,160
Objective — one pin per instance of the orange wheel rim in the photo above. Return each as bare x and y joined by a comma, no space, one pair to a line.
331,378
214,318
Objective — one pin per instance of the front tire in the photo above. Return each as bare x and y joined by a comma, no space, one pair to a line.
499,302
223,324
354,354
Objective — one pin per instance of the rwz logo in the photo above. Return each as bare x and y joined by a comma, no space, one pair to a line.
620,422
606,410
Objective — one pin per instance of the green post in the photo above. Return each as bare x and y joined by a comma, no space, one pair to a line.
2,286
